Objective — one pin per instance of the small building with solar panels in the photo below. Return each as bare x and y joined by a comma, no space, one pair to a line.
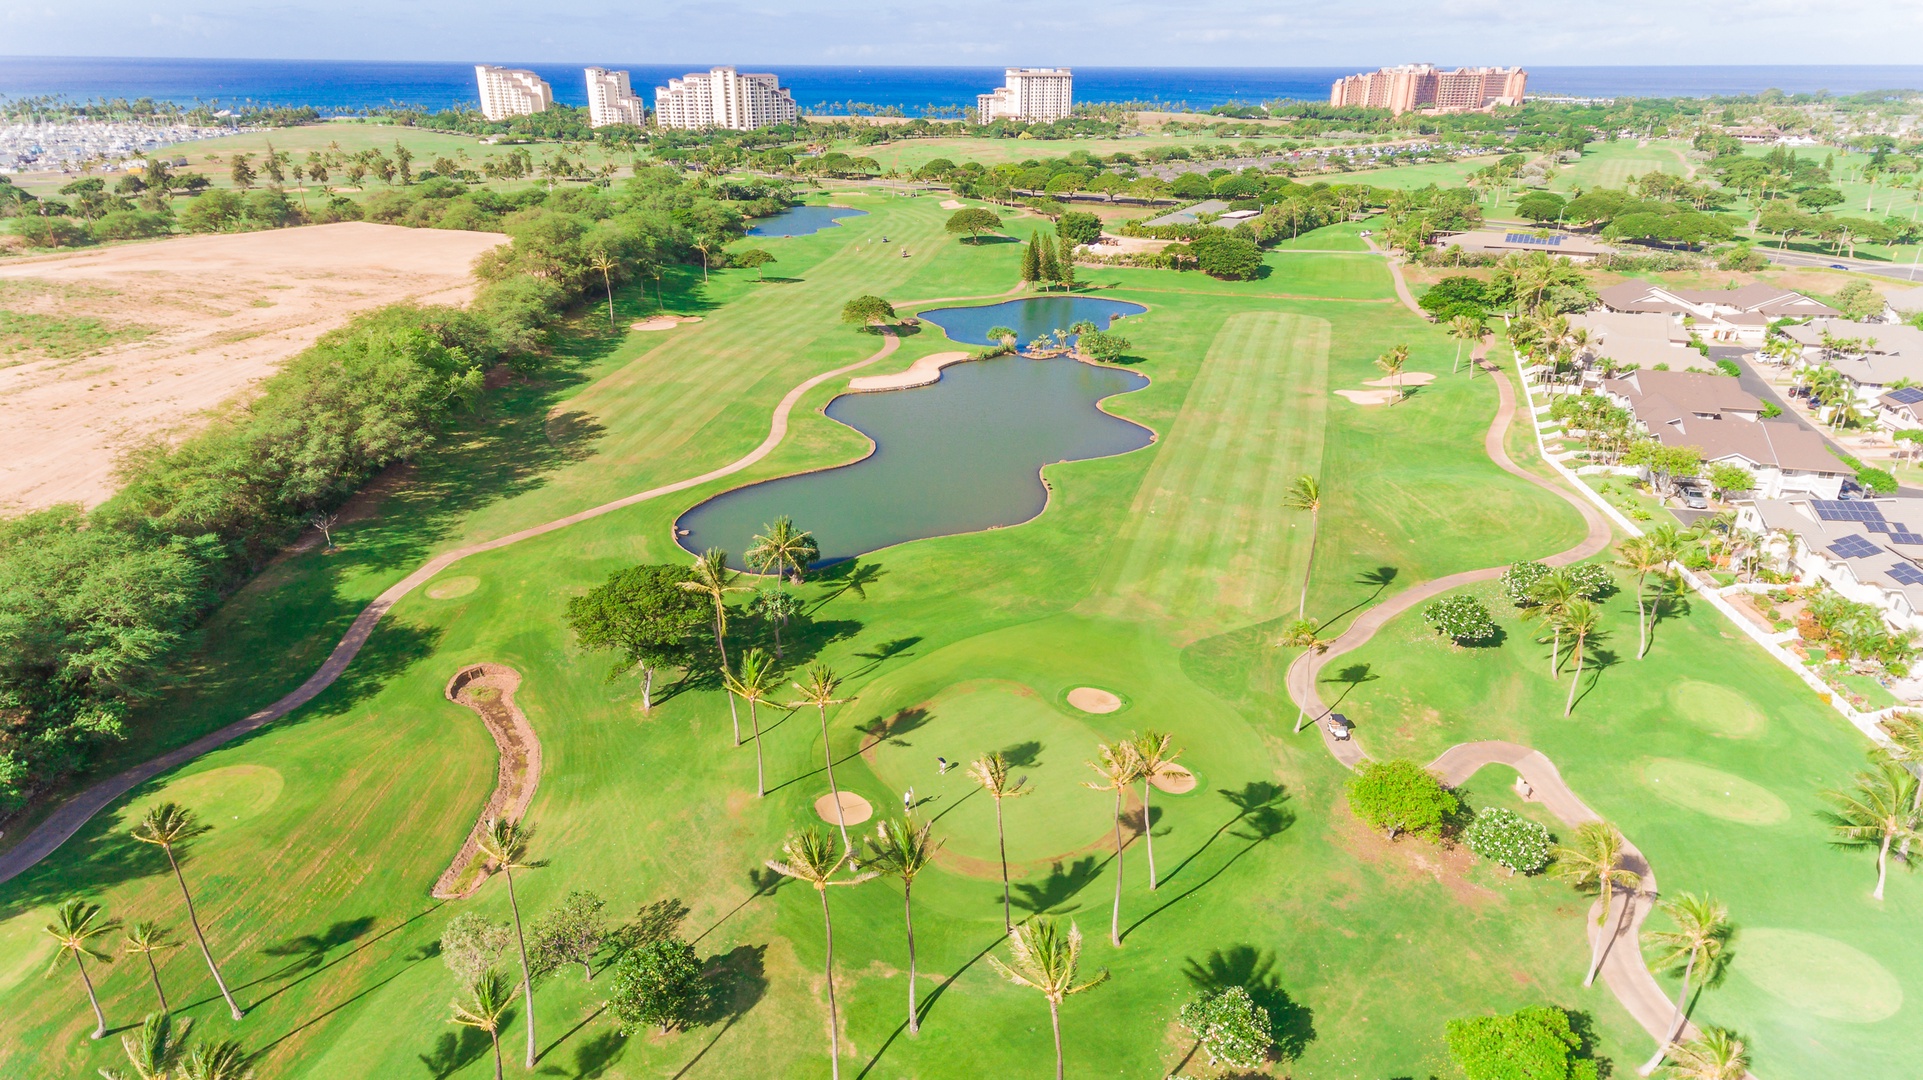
1498,242
1868,550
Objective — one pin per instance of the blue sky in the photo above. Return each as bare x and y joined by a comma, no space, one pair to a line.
1250,33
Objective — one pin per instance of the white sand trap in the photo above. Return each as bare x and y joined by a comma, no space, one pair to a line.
1368,397
663,322
952,204
1173,779
854,809
1090,700
920,373
1409,378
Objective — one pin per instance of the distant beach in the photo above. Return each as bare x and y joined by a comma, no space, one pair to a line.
353,86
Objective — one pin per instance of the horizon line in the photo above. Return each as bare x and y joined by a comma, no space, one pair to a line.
963,67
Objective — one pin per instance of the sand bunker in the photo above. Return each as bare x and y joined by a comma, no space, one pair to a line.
218,313
952,204
1090,700
1368,397
854,809
1409,378
1173,779
920,373
663,322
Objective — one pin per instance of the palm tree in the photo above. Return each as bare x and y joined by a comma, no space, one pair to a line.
1579,620
1117,768
991,772
74,928
166,827
783,548
1306,495
758,677
1552,596
1698,942
1004,334
147,938
1595,861
1043,958
605,265
819,691
1465,328
488,1001
155,1049
811,856
1879,811
504,843
1391,363
221,1060
900,850
1640,557
1716,1054
1303,633
714,579
1154,751
1906,749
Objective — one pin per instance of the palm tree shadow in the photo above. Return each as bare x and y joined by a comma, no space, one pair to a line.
1058,888
1351,677
1381,578
852,575
1023,755
1292,1024
1596,661
1255,795
972,792
1258,826
883,653
762,882
1668,597
454,1051
890,729
926,1005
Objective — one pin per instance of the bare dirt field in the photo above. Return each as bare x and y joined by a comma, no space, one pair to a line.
101,350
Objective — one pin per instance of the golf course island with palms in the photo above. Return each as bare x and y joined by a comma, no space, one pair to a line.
1180,674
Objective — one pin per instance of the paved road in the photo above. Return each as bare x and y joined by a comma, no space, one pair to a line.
1752,382
1898,271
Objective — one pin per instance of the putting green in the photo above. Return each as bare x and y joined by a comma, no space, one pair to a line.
1819,975
219,796
1057,817
1717,709
449,588
1709,791
25,948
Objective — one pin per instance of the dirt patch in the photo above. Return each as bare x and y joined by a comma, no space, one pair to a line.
1090,700
656,323
854,809
488,689
216,315
952,204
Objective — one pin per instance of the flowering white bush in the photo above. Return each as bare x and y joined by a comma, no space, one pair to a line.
1462,617
1507,837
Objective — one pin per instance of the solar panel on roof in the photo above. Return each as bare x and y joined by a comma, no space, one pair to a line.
1905,574
1525,238
1900,536
1909,395
1841,510
1854,547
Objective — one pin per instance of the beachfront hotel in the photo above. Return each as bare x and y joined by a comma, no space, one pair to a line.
1424,86
509,92
611,99
724,98
1037,95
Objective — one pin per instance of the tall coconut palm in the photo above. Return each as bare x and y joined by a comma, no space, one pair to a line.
1154,751
1697,944
811,856
1906,749
1641,558
224,1059
1043,958
154,1049
504,843
991,772
713,578
75,924
1716,1054
488,1002
901,850
783,549
1465,328
1879,810
1552,595
1302,633
1580,620
1306,495
1392,363
1594,860
167,827
1118,768
757,680
601,264
819,690
146,939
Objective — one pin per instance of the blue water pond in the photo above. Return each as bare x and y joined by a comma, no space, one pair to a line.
1030,318
803,220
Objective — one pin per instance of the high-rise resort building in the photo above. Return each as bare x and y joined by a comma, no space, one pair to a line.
1038,95
724,98
509,92
1424,86
611,99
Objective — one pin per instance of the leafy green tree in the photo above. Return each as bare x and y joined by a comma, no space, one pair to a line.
154,1049
1698,942
505,844
867,311
1540,207
1534,1043
146,939
1508,838
1051,263
776,606
712,578
471,944
1080,227
657,984
811,856
901,850
1230,1028
167,827
1465,619
1119,767
1044,959
1102,345
645,616
573,933
973,221
240,169
75,924
486,1009
1594,861
1032,260
1006,335
1666,464
756,680
756,259
1400,796
991,772
1731,479
1879,810
1222,254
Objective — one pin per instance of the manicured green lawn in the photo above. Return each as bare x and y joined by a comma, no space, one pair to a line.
1160,575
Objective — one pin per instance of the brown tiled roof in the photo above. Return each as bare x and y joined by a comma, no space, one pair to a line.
1762,443
1684,392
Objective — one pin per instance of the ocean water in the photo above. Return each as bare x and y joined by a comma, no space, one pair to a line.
347,85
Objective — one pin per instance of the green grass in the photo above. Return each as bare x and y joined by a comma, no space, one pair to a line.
1160,575
33,335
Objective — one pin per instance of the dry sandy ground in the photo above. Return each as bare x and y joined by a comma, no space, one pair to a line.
920,373
225,311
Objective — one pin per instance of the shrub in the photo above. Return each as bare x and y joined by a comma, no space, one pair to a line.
1535,1043
1454,296
658,983
1102,345
1461,616
1519,581
1221,254
1742,257
1401,796
131,225
1233,1030
1507,837
1080,226
1876,481
50,231
1593,580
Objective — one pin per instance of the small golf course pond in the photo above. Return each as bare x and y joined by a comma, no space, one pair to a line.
959,455
1030,318
803,220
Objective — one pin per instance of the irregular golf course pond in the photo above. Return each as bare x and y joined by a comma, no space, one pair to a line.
1030,318
959,455
803,220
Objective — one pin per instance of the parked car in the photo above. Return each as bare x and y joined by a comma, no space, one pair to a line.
1695,500
1838,266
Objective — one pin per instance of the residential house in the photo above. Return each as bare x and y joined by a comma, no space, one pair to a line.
1639,339
1865,549
1881,361
1717,315
1714,414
